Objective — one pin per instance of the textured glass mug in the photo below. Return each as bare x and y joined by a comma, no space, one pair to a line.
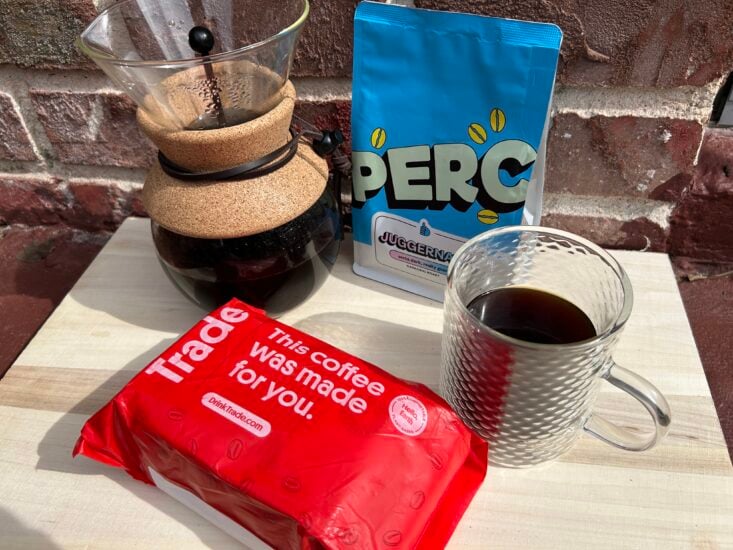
532,401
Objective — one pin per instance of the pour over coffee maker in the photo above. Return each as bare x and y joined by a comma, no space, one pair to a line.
240,204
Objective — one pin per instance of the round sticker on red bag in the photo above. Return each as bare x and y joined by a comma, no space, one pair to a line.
408,415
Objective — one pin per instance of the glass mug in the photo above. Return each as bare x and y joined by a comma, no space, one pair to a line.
531,401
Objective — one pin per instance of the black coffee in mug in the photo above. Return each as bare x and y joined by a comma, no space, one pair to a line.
532,315
531,393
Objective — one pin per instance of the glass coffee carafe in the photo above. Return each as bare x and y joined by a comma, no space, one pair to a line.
274,270
240,205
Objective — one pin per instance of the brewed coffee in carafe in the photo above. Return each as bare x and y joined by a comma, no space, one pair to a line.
274,270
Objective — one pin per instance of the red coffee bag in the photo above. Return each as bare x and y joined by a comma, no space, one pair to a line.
286,441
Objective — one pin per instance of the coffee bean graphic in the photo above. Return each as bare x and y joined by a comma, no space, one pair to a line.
348,535
477,133
437,461
291,484
235,449
451,425
175,415
379,136
498,120
392,538
487,216
417,500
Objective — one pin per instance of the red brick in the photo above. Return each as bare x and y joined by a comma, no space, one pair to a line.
100,205
327,41
637,234
31,201
82,204
94,206
134,204
42,32
695,269
702,222
93,129
673,189
627,42
38,266
328,115
15,143
623,156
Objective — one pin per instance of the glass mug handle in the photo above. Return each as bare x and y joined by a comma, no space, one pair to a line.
649,396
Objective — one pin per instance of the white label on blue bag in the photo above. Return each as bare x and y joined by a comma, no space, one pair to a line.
414,248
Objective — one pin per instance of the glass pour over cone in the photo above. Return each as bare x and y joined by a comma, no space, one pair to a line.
180,78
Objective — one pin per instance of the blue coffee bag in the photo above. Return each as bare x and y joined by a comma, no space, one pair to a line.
448,114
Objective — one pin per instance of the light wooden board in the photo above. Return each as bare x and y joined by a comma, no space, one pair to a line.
123,312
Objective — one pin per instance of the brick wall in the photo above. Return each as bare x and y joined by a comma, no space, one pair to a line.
632,162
